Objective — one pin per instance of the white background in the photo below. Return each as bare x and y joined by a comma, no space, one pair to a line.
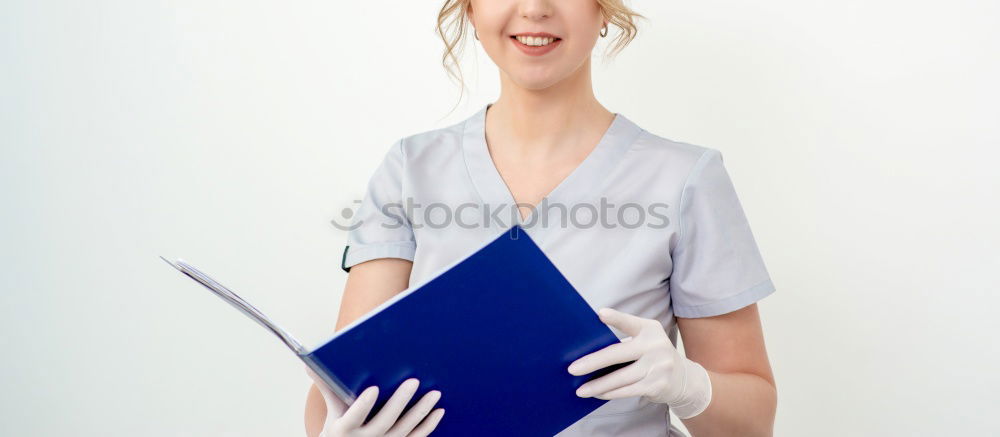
862,137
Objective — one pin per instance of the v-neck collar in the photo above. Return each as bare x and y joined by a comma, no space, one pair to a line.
584,180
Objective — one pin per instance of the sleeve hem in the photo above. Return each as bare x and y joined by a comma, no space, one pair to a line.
730,304
355,254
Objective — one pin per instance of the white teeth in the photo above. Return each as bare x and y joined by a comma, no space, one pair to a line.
534,40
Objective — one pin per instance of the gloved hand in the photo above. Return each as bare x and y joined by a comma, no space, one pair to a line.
660,373
348,421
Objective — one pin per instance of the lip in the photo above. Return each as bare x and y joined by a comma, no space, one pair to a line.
534,50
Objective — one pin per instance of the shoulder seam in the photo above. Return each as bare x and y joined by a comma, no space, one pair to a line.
403,173
695,169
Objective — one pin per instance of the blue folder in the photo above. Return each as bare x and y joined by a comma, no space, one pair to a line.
494,332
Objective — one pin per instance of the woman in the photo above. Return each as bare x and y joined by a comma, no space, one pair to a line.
647,228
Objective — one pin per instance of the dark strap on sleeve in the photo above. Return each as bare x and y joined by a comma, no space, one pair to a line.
343,260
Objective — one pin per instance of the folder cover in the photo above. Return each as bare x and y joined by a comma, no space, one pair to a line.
494,332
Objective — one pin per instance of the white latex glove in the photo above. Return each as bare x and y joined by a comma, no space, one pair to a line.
660,373
348,421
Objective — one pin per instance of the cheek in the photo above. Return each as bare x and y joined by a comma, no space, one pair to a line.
581,47
573,53
490,16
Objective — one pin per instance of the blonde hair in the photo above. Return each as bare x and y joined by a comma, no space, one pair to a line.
453,23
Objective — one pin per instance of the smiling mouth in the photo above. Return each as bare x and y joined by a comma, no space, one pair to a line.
535,41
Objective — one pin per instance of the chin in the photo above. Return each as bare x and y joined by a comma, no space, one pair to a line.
536,81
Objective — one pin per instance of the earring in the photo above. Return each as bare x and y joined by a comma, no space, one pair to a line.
604,31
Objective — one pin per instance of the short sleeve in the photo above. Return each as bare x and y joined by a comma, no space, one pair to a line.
380,228
717,267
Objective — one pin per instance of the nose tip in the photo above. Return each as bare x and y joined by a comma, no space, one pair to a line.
536,10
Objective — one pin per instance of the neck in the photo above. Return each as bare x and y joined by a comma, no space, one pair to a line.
544,120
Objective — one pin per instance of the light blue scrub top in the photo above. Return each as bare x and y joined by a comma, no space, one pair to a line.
681,247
